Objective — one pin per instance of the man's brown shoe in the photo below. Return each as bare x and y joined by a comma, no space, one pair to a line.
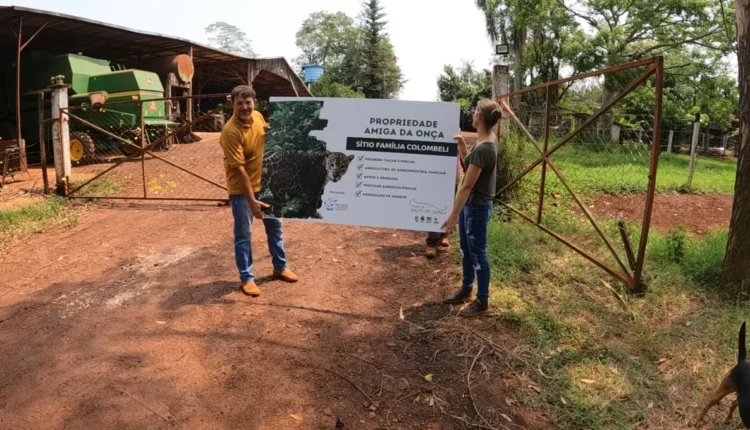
285,275
445,243
430,252
250,289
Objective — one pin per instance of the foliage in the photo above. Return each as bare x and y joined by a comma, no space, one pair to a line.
349,56
693,83
465,86
229,38
585,35
373,24
699,259
324,38
515,155
326,87
675,241
291,124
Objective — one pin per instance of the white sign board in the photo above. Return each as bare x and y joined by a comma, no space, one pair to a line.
378,163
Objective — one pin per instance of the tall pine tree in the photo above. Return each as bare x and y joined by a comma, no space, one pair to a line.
374,73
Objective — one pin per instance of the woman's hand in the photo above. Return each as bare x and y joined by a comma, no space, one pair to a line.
450,224
459,137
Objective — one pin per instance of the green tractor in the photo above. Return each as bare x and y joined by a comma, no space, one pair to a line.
93,81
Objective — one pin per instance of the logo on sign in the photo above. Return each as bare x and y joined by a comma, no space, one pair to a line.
152,106
426,208
332,205
148,81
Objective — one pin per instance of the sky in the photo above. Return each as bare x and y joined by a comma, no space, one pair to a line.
426,34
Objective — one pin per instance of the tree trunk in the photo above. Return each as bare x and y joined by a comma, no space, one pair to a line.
519,42
735,274
608,93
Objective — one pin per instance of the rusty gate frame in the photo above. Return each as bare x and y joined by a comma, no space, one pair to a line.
142,150
654,66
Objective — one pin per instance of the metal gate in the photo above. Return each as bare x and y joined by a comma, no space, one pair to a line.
148,149
553,128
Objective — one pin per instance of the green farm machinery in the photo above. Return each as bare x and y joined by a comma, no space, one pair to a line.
129,96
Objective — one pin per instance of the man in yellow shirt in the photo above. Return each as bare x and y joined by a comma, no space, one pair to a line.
243,140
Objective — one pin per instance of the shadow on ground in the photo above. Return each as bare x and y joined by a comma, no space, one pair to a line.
175,345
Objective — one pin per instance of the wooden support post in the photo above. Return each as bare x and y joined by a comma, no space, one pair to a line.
251,72
143,147
694,148
43,142
669,143
61,135
189,93
18,83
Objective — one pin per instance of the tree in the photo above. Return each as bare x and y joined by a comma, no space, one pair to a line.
326,87
324,38
465,86
626,30
344,50
505,23
374,73
229,38
735,274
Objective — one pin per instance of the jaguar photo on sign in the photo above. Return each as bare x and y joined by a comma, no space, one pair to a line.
377,163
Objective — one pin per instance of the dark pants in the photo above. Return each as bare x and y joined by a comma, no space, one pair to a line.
472,228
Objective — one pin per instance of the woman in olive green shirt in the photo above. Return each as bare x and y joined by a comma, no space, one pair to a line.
473,207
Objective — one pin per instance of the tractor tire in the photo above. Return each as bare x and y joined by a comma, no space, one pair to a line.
82,147
128,150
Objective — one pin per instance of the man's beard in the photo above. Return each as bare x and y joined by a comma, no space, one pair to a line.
245,115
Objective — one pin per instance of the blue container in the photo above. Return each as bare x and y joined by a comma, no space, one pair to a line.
313,73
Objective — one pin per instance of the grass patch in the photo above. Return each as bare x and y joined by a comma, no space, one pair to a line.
593,167
647,366
101,187
35,218
622,169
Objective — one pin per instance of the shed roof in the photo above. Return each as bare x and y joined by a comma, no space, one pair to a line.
60,33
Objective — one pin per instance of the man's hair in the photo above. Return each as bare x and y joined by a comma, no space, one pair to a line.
243,91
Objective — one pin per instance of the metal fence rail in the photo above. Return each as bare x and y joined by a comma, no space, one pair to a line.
560,143
156,149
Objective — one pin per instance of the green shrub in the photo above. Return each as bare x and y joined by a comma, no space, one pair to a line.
509,249
676,241
704,258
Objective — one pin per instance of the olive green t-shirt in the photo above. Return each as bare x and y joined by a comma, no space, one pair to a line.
484,155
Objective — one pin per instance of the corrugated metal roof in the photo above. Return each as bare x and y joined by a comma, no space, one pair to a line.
72,34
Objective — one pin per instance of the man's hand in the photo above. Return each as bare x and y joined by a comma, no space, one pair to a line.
450,224
256,207
266,127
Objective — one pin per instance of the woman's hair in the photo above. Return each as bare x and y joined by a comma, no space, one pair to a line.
491,113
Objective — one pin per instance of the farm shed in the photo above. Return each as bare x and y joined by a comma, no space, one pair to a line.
24,30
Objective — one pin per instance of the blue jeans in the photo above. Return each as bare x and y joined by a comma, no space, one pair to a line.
243,227
472,230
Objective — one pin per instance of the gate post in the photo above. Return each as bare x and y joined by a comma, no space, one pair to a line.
60,135
500,76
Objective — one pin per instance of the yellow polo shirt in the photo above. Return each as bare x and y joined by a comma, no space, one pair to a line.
243,145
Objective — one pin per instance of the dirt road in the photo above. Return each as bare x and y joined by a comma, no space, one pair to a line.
131,319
